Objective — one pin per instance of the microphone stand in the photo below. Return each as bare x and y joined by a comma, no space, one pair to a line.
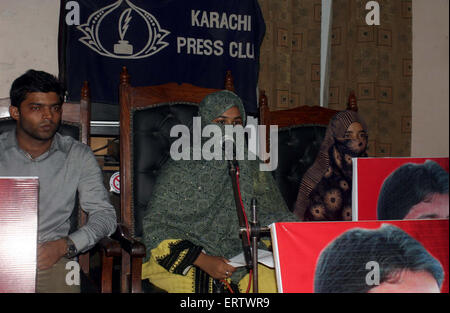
250,254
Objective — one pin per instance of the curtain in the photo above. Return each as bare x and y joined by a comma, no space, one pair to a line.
373,61
290,53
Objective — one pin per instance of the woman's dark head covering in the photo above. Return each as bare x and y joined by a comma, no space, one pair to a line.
409,185
333,137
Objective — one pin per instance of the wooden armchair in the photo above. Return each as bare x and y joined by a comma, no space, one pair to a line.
300,133
76,123
146,117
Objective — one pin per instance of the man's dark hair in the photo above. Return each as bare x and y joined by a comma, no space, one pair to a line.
342,264
34,81
408,185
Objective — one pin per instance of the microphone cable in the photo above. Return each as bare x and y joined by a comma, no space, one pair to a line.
246,223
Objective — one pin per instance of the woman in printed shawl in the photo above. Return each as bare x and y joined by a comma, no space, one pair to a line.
191,229
325,193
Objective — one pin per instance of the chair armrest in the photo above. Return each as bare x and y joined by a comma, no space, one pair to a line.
128,243
110,247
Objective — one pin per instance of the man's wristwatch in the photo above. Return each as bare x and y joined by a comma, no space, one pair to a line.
71,249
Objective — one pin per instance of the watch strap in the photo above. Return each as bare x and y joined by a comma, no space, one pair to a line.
71,248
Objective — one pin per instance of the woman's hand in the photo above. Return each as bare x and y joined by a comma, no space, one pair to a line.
217,267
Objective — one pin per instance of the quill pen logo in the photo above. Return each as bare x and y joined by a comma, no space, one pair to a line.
131,18
122,47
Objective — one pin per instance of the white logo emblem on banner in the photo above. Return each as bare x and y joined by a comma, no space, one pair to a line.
122,49
114,183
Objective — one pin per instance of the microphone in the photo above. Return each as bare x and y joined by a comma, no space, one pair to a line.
229,148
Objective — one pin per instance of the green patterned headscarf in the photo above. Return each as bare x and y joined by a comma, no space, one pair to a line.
213,105
194,200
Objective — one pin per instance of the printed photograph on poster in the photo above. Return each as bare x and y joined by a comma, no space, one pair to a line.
400,188
362,257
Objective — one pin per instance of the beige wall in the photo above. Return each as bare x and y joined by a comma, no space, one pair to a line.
28,39
430,101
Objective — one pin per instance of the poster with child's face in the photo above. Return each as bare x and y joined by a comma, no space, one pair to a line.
362,257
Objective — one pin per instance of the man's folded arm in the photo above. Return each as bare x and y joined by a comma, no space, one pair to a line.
94,200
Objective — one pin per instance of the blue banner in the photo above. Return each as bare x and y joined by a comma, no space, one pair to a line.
160,41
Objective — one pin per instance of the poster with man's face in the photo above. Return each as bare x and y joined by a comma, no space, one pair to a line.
400,188
362,257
